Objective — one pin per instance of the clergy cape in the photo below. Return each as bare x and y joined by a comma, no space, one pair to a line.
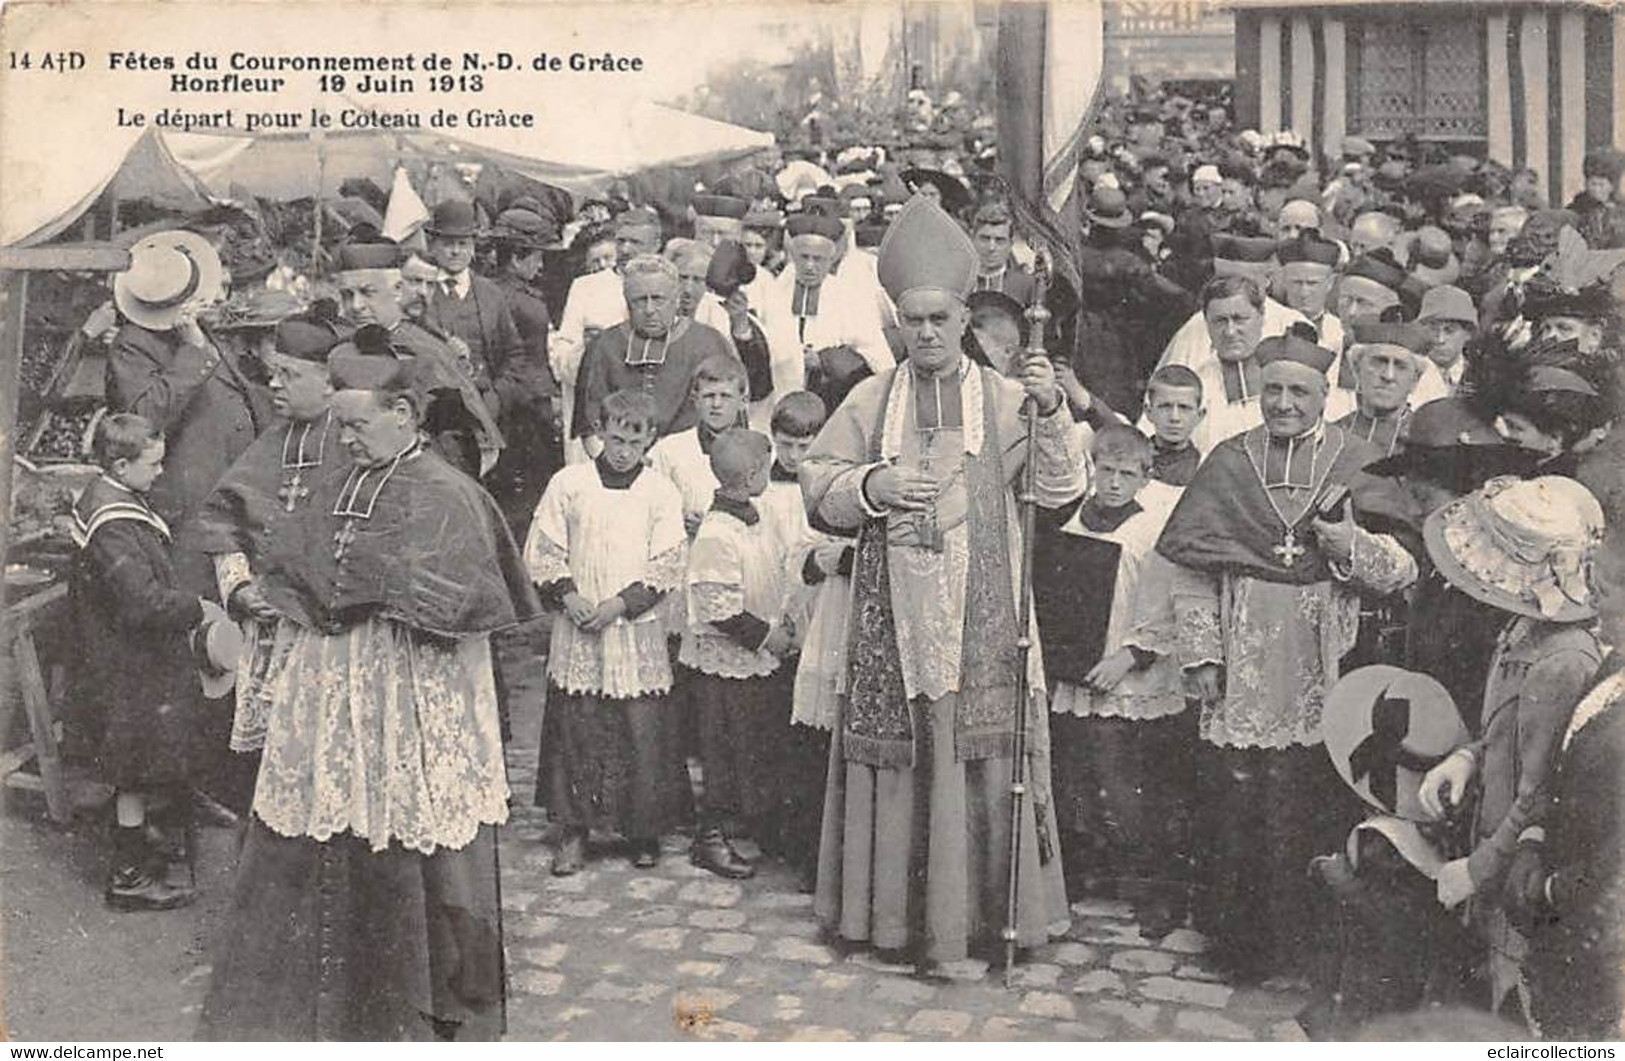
435,555
1223,522
878,726
246,512
607,368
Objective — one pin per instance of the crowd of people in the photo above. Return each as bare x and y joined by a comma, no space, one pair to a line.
747,480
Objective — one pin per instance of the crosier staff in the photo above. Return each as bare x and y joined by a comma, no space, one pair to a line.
1038,315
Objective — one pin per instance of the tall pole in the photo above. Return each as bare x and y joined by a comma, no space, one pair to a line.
1038,315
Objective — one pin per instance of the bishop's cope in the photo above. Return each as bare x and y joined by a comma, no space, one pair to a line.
919,461
1275,540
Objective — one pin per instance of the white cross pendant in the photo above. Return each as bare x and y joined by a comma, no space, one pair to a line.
293,491
1289,550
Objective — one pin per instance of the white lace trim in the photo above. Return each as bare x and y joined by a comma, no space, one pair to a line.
385,733
1141,696
710,652
622,661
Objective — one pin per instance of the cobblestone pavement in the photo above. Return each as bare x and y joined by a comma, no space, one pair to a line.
674,952
615,953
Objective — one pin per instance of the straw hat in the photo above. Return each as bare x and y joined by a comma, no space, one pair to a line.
167,271
1522,546
217,644
1385,727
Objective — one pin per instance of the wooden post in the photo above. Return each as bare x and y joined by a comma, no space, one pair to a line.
16,641
13,295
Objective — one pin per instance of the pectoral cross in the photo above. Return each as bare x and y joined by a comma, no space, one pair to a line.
293,491
1289,550
342,539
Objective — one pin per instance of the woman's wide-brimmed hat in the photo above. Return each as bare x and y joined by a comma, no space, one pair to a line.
1523,546
167,271
1386,727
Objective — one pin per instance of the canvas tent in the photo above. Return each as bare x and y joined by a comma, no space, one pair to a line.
574,145
48,192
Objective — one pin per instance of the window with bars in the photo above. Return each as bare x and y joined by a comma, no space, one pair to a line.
1418,76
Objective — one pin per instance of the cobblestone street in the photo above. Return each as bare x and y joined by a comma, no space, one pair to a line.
618,953
615,953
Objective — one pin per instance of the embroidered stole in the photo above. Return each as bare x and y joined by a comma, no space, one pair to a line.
878,719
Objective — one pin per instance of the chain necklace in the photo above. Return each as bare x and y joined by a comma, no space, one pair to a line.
1289,550
293,489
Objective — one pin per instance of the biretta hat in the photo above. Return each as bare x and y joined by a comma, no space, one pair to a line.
1521,545
815,224
1385,728
1447,302
305,340
925,248
167,270
217,645
1308,247
1380,267
1293,348
1411,336
452,218
1243,255
725,206
380,255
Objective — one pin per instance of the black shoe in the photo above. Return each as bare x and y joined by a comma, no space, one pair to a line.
132,883
571,855
645,854
713,852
